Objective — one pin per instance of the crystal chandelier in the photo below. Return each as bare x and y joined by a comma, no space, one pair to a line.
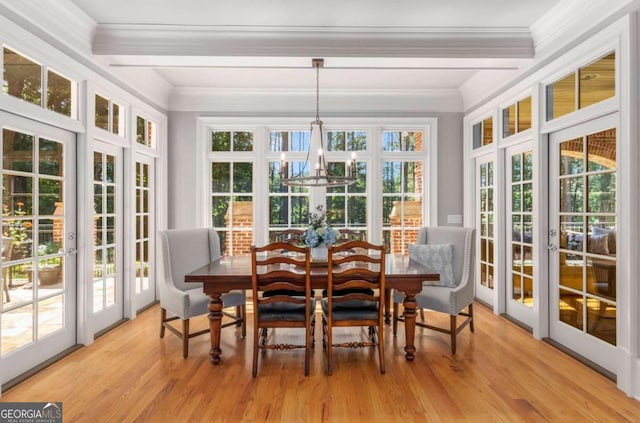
320,176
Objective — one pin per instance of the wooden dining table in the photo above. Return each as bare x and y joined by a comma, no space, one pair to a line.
230,273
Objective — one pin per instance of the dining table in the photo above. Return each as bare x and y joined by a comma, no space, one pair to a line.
234,273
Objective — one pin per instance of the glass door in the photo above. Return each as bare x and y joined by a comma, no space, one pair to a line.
582,247
38,298
145,231
107,236
519,199
485,222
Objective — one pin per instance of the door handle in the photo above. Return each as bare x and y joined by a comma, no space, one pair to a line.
552,247
71,252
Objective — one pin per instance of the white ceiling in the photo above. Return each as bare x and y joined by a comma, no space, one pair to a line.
367,44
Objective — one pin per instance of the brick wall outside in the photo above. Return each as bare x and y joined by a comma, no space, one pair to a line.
412,223
239,217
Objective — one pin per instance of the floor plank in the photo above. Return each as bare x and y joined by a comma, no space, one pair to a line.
499,373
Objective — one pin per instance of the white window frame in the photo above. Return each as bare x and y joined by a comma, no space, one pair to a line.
261,156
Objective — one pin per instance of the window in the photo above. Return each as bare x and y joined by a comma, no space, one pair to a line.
109,115
347,206
25,79
588,85
486,217
390,186
232,141
402,189
143,223
483,133
146,132
288,206
522,227
516,118
232,191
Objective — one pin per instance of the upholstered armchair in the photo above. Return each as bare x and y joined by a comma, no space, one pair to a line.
455,292
185,250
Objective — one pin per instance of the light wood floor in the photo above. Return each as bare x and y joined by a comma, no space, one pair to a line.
500,373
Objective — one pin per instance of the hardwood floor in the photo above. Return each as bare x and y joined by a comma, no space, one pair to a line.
499,373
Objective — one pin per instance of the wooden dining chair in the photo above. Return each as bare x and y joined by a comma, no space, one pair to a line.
346,235
289,235
355,296
281,296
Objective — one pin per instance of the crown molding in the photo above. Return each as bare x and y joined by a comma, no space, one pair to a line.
569,20
296,102
181,40
60,19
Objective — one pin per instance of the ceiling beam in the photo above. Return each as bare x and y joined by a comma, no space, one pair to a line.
171,40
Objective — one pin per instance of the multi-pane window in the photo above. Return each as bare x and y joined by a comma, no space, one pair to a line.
587,178
588,85
522,227
402,189
105,214
347,206
109,115
232,191
486,216
146,132
288,206
143,222
516,118
483,133
33,228
28,80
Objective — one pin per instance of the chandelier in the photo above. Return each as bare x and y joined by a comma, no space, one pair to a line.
320,176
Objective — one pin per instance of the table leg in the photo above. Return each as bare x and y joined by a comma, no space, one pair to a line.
410,324
387,306
215,324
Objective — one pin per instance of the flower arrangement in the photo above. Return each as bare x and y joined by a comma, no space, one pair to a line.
319,232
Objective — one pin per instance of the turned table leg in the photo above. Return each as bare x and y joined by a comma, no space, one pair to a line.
410,325
215,324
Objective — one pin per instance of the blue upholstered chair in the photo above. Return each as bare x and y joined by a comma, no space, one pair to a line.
459,293
185,250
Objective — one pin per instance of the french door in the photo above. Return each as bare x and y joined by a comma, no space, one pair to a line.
145,231
582,239
108,285
38,298
485,217
519,200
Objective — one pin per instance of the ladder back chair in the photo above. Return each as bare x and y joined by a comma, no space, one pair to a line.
281,287
355,296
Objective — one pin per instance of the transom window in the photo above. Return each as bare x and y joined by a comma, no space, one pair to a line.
109,115
146,132
588,85
35,83
516,118
483,133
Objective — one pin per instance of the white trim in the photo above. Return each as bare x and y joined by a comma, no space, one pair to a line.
262,102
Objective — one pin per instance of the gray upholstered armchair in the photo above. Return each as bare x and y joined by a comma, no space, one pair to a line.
185,250
459,295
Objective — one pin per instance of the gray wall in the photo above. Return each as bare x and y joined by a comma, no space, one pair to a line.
182,168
